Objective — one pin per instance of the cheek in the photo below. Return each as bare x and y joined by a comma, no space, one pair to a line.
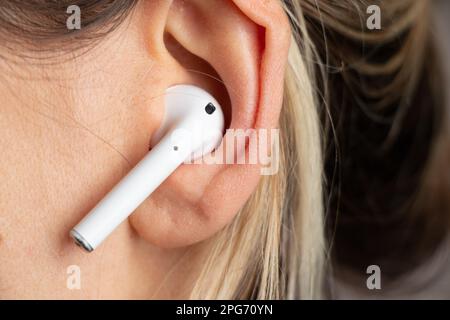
36,266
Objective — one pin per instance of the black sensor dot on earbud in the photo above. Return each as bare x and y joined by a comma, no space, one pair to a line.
210,108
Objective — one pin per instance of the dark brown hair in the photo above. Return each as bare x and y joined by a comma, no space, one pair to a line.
40,25
387,157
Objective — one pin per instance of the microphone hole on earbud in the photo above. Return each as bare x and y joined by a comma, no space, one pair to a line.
175,148
210,108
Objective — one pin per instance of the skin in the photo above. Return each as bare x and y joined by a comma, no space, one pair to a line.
71,129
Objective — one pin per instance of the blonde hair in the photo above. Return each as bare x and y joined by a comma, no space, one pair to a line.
276,247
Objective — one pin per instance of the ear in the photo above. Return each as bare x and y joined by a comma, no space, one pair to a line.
245,44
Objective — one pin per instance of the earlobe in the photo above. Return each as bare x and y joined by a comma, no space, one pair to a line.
240,45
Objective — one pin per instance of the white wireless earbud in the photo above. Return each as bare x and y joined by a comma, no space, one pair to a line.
192,127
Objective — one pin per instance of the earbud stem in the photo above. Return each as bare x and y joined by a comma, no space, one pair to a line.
131,191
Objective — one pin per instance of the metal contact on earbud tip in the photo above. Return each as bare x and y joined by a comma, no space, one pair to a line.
80,241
